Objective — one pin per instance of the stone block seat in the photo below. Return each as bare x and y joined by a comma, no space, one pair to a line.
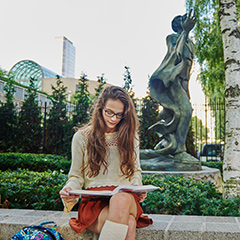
166,227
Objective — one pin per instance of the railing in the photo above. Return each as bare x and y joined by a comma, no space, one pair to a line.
208,123
51,133
207,119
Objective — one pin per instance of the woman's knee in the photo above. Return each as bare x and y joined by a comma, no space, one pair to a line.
123,204
121,199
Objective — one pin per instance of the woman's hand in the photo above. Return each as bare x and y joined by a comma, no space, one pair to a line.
142,196
66,196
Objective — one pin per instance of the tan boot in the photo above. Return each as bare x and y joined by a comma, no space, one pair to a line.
113,231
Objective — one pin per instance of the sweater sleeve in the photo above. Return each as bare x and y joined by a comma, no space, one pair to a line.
75,176
137,177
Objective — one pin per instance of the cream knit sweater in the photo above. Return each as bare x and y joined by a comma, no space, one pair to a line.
112,177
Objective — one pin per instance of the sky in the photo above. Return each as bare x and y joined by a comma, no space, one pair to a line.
107,35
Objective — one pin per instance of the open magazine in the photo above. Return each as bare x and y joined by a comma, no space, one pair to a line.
121,188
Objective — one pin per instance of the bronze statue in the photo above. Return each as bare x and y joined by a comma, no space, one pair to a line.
169,87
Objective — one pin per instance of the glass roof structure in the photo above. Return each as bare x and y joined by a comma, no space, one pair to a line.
27,69
24,70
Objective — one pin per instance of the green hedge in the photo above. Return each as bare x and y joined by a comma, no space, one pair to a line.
33,162
32,190
40,190
187,197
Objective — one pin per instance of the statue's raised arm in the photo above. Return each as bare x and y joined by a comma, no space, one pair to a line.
189,22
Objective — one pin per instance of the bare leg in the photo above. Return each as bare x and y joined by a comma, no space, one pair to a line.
121,206
122,209
131,234
98,224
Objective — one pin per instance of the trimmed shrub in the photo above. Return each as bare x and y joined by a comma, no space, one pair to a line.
34,162
177,195
180,196
32,190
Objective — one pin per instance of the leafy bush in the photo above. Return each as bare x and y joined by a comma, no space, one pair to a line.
34,162
32,190
177,195
213,164
180,196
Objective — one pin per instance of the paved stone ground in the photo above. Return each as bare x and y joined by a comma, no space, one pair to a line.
166,227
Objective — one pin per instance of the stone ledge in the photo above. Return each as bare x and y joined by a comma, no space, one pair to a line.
166,227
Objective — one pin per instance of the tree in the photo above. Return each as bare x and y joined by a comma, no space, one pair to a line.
208,46
8,119
191,142
101,80
3,73
29,122
221,18
148,117
200,133
58,129
231,47
128,84
82,101
127,80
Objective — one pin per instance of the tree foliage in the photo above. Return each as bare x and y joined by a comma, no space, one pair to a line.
82,101
127,79
208,46
29,122
128,86
197,135
101,82
3,73
191,142
149,114
8,118
207,38
58,128
200,131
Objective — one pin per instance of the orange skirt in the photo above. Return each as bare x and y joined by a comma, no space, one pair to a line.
90,208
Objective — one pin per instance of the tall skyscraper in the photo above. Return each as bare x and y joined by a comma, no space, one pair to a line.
68,58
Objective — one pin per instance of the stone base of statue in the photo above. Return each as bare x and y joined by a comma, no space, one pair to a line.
206,174
152,160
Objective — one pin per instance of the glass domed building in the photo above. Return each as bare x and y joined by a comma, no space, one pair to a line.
24,70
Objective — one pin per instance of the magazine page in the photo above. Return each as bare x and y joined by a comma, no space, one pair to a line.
91,192
121,188
137,189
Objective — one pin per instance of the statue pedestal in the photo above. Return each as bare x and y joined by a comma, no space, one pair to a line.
206,174
152,160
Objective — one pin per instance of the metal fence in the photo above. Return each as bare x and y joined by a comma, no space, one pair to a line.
207,126
51,133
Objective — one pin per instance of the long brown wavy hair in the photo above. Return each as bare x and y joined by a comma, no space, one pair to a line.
127,130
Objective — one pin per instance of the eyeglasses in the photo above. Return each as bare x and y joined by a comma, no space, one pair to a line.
112,114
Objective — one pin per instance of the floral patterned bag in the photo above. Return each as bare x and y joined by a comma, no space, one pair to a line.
38,232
